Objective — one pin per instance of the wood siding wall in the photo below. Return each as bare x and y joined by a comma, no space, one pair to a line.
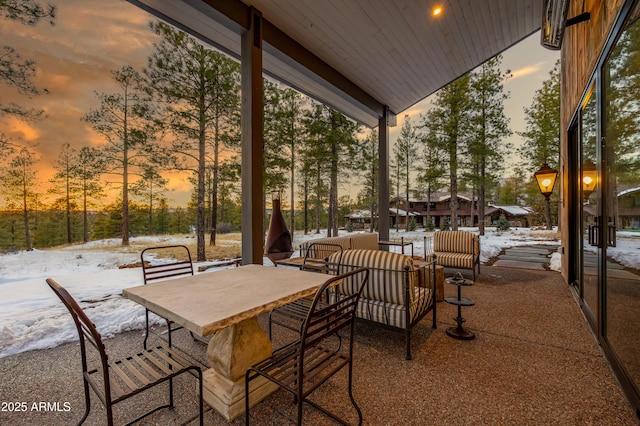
581,48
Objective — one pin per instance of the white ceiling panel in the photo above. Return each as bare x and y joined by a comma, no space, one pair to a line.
394,51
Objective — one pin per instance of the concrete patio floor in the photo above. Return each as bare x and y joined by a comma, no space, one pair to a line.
534,361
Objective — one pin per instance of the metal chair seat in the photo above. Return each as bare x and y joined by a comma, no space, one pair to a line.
116,381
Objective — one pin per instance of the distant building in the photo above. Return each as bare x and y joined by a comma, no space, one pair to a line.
440,207
629,209
516,215
359,219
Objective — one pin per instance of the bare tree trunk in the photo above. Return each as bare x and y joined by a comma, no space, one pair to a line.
333,194
453,176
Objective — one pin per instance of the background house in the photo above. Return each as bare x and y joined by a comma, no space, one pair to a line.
440,208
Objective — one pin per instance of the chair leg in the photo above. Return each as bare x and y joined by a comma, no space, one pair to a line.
300,400
87,401
169,332
353,400
408,340
146,335
200,397
246,398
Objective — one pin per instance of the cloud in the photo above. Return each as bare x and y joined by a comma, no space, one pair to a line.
528,70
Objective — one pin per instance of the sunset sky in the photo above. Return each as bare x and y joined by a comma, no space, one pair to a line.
91,38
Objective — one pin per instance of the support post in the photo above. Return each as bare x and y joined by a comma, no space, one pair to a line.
252,135
383,175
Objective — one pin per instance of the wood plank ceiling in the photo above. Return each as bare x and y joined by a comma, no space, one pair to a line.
359,55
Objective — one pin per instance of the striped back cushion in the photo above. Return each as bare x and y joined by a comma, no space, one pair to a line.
387,274
344,242
455,242
367,240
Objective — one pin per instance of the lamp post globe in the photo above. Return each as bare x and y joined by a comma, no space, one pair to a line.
546,179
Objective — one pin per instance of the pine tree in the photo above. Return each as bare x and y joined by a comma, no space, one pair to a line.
489,126
200,89
448,121
19,183
542,135
335,137
406,150
432,170
150,188
124,119
14,71
89,167
287,128
366,161
275,157
65,185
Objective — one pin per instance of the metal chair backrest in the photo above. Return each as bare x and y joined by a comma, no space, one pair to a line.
87,332
325,320
180,263
317,255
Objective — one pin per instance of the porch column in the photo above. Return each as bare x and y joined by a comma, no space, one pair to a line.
252,151
383,175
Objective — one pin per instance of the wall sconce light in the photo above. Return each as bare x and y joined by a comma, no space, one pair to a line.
546,178
589,178
554,22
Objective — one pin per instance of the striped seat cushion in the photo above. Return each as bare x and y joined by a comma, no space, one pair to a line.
454,260
391,314
387,274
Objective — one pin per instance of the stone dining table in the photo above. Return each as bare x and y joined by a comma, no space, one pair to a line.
227,303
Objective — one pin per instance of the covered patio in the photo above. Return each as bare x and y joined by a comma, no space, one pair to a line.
534,361
372,60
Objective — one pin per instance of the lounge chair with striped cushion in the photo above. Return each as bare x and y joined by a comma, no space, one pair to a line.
457,249
394,296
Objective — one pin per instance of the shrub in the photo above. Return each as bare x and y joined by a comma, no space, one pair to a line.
429,226
224,228
502,224
445,223
412,224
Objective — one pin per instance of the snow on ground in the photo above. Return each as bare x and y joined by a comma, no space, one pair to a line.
32,317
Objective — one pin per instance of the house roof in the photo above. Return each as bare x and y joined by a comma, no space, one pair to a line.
628,191
514,210
361,55
435,197
400,212
359,214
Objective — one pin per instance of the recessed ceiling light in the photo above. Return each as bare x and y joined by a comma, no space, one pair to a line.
437,11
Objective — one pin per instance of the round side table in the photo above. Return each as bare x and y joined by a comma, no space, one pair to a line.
459,332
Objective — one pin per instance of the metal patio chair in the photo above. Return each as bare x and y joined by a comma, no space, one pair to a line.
304,365
292,315
115,381
180,265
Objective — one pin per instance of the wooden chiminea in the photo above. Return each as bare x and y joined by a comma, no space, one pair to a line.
278,245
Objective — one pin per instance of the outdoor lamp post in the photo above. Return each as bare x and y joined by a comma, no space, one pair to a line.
546,178
589,178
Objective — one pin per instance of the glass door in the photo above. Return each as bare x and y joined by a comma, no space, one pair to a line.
621,198
589,226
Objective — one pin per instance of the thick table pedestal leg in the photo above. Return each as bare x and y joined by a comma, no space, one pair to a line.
230,352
